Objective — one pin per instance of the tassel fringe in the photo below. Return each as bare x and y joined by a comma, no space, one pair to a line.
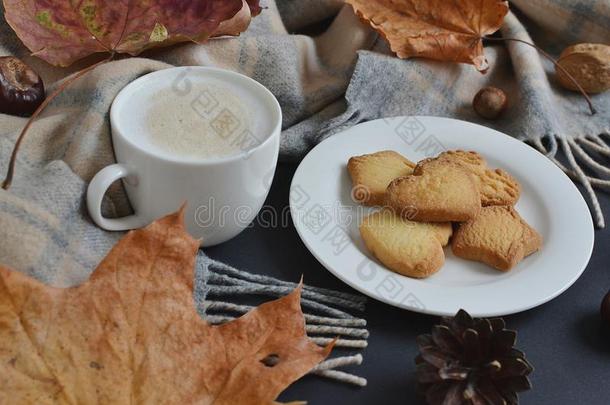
325,311
590,152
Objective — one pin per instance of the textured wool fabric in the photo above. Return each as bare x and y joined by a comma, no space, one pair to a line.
324,83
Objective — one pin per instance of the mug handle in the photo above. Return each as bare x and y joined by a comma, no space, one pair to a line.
95,193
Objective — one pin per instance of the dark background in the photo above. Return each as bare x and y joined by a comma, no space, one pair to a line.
563,339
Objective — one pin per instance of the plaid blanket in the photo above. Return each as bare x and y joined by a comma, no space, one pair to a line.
339,77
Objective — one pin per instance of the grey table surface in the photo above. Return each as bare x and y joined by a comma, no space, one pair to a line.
564,339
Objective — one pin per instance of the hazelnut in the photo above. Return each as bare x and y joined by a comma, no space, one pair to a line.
489,102
21,89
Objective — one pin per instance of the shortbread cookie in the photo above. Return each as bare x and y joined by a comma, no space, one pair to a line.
497,187
498,236
414,249
372,173
437,191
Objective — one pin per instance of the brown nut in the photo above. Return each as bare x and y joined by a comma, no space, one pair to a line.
604,309
589,64
489,102
21,89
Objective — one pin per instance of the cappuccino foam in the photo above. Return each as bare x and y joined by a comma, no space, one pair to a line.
184,126
201,117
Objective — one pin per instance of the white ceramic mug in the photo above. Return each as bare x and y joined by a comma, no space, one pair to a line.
223,195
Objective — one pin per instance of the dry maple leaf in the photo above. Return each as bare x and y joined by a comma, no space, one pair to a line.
444,30
131,334
62,32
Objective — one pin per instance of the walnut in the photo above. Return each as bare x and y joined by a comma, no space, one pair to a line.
589,64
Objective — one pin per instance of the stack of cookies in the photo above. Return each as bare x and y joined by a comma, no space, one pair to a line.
452,198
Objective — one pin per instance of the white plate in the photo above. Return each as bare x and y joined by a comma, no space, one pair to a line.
327,219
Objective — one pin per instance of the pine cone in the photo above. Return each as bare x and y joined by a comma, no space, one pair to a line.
471,361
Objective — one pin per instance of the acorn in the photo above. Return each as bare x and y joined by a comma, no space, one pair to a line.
489,102
21,88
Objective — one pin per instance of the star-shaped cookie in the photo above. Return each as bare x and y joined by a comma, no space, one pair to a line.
498,236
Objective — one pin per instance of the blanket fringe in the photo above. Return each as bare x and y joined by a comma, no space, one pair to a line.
324,321
581,152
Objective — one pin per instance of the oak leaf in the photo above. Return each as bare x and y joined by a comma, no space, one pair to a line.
449,31
61,32
131,334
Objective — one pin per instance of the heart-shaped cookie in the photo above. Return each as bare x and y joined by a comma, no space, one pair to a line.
497,187
414,249
372,173
497,236
437,191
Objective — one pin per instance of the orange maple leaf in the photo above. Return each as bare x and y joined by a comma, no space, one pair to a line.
449,31
131,334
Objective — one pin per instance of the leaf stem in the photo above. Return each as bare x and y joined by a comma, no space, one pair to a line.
11,166
557,65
